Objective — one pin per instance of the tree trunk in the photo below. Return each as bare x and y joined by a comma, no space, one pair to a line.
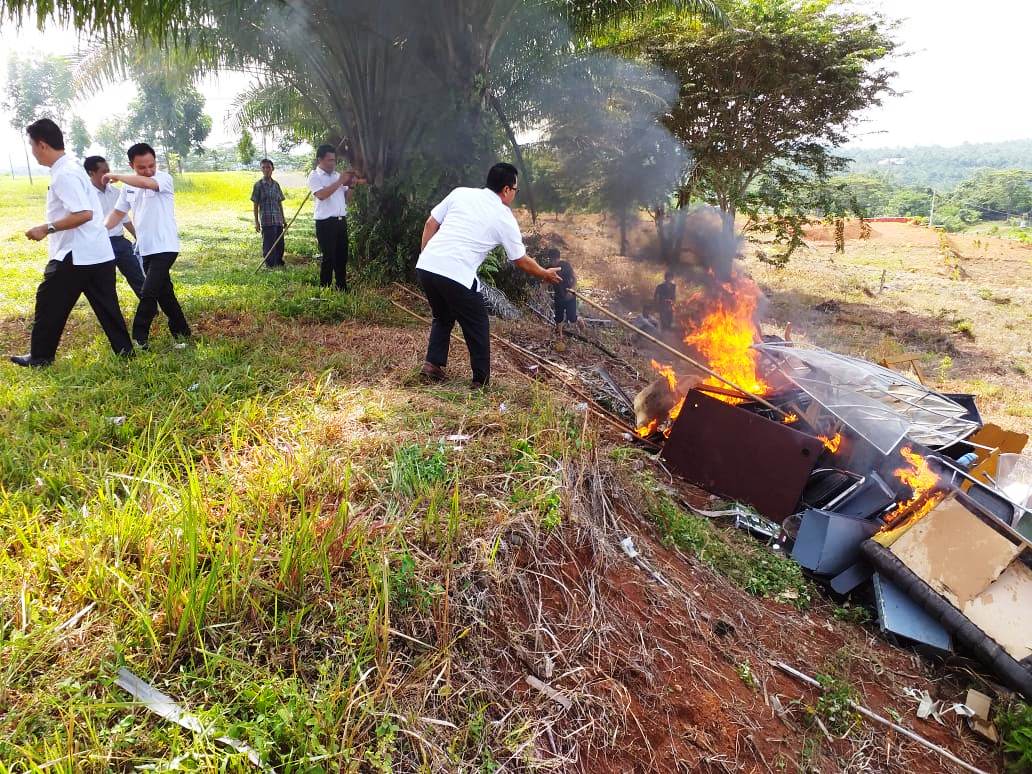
623,232
728,214
28,164
528,182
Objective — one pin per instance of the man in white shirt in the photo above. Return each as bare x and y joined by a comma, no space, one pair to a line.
457,237
80,257
331,190
149,195
125,259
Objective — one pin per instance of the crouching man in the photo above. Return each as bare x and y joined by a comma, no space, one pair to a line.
457,237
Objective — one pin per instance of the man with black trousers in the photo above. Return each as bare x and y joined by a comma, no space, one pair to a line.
665,298
80,260
149,195
457,237
331,190
125,258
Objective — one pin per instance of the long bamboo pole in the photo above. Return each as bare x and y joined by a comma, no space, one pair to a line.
679,354
879,719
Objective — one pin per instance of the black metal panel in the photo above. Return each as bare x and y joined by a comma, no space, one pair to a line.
740,455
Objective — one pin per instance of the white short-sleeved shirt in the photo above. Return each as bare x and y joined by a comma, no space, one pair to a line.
109,197
71,191
333,206
473,222
154,215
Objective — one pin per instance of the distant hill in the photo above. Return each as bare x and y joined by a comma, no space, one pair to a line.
942,168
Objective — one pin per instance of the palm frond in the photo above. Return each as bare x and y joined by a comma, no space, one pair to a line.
593,16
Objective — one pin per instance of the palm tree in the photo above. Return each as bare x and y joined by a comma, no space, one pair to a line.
389,76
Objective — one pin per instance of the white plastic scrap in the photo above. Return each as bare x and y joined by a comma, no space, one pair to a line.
165,707
929,708
627,544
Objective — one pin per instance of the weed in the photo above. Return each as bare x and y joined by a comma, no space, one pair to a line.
745,674
1015,725
987,295
415,469
748,564
965,328
834,705
537,484
945,365
854,614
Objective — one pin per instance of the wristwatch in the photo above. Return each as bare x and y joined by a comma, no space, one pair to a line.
51,228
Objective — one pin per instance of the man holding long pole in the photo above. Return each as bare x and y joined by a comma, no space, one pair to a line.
457,237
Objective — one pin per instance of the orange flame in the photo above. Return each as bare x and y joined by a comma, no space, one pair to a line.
831,444
790,419
922,480
725,337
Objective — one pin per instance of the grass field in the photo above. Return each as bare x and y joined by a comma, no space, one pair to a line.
282,529
249,516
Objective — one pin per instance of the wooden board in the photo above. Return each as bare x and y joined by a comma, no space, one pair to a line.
1004,611
955,553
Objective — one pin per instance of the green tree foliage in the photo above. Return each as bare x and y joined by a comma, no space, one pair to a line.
941,168
781,85
111,135
169,115
37,88
878,194
78,136
245,148
996,195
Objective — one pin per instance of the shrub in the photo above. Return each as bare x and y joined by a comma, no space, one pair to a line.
1015,725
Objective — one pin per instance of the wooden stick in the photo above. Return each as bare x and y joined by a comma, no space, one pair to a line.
678,353
283,233
884,721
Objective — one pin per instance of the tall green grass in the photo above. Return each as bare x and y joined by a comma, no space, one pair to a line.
267,527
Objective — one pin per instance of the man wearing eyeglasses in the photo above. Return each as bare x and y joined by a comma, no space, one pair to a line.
457,237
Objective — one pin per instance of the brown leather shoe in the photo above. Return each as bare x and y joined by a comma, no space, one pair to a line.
432,373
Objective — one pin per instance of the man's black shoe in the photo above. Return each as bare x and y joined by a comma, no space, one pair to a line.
28,361
432,373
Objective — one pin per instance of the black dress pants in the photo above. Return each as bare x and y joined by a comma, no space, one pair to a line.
158,291
272,245
332,235
63,283
451,303
128,263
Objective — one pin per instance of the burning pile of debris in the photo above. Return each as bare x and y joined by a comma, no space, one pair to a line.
878,483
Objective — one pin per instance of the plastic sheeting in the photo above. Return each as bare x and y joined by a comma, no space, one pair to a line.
880,405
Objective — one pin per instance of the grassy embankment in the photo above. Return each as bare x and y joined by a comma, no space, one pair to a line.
253,518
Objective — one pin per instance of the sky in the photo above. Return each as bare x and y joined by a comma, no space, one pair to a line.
962,78
965,78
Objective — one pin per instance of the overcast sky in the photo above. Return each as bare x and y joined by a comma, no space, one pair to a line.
963,80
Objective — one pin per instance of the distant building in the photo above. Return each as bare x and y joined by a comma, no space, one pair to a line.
894,162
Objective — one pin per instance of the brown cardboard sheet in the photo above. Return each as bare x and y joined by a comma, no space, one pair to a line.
1004,611
955,553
